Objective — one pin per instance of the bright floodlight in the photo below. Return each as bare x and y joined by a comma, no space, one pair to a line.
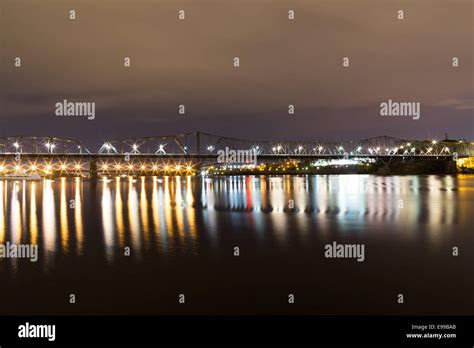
16,145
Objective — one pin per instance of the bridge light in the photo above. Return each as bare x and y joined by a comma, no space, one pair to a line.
412,149
53,146
274,149
446,149
16,145
210,148
429,149
142,167
178,167
155,167
378,148
33,167
78,166
320,148
300,148
408,144
2,168
104,166
63,167
130,166
433,142
188,167
359,148
278,147
48,167
17,168
166,167
341,148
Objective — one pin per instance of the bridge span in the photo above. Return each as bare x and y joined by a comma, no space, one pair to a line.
191,151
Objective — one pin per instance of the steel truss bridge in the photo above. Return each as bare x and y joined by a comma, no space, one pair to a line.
196,149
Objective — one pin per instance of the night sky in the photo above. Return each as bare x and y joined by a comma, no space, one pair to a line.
282,62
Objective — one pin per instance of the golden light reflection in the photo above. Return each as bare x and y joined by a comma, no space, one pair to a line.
15,218
63,218
144,212
179,209
33,216
2,212
134,218
78,215
107,221
49,221
119,213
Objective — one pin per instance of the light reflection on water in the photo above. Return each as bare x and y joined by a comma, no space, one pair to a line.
173,215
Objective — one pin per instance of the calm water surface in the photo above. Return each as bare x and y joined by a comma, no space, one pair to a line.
182,231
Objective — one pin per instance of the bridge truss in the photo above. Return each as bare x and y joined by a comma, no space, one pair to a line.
208,144
202,144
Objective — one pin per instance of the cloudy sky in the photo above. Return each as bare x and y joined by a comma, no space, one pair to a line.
282,62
